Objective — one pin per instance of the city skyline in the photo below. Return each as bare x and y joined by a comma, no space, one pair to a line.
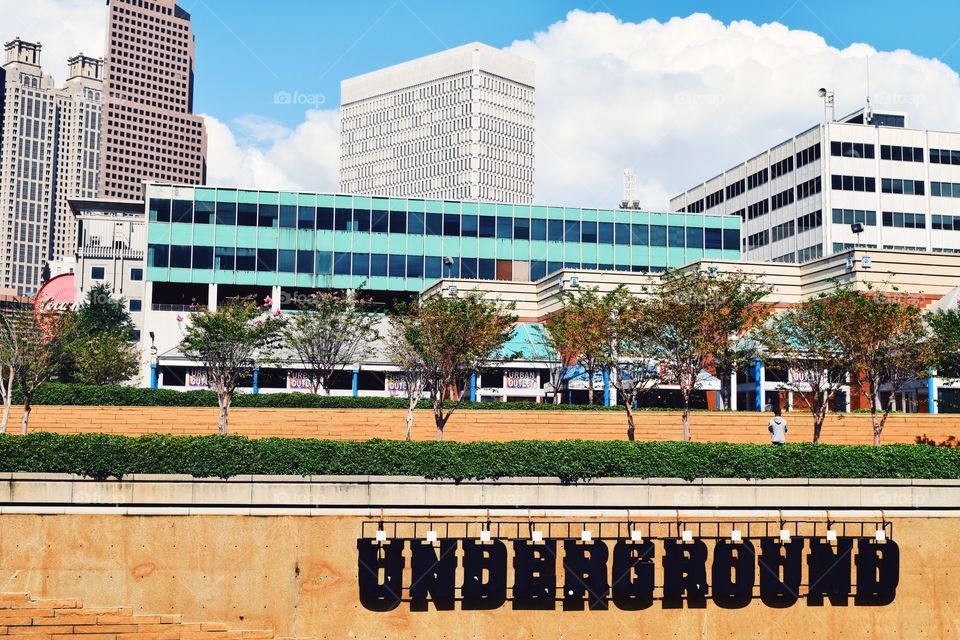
660,96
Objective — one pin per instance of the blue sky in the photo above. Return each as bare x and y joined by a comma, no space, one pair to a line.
677,91
309,46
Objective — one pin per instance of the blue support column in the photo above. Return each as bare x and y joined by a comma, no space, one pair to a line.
355,387
473,387
758,384
256,380
932,392
153,375
569,396
606,388
716,399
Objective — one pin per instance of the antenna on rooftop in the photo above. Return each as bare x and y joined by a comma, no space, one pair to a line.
629,200
868,112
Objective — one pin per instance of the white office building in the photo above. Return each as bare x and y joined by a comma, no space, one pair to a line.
454,125
863,181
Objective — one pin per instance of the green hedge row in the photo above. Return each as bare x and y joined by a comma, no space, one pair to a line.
121,396
102,456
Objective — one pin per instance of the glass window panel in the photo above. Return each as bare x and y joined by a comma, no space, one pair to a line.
287,261
378,264
246,259
324,263
553,267
434,224
343,219
306,217
304,261
247,214
712,239
451,224
571,231
538,269
588,232
415,223
504,228
341,263
433,267
398,222
605,233
380,221
555,230
202,257
288,216
227,213
225,258
324,218
414,266
203,212
267,216
640,235
622,233
486,269
266,259
521,228
487,227
538,229
361,264
159,210
468,226
159,255
731,239
180,256
695,237
677,237
398,266
361,220
182,211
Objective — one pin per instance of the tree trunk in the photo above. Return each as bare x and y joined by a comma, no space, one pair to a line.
628,403
410,408
590,387
724,377
26,413
223,399
7,401
687,436
438,418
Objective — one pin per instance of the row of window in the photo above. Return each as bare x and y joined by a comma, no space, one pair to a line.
98,273
758,209
808,155
808,188
781,167
810,221
810,253
901,154
782,199
945,189
754,180
944,156
907,187
904,220
853,183
783,231
850,216
411,223
327,263
735,189
851,149
715,198
945,223
758,240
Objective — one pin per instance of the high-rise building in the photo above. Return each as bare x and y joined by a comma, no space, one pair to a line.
150,132
28,122
453,125
79,119
863,181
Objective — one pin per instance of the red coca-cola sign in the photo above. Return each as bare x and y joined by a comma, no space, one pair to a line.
57,294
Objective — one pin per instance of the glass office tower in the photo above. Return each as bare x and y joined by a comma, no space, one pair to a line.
199,236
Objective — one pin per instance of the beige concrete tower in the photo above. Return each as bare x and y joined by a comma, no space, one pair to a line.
79,121
150,132
28,124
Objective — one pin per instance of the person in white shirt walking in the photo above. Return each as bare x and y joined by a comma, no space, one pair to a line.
777,428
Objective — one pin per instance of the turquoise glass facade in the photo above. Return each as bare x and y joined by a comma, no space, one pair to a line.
237,236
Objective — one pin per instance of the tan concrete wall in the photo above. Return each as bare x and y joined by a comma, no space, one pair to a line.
298,577
465,426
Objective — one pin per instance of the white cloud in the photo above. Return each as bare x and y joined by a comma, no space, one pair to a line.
64,28
684,100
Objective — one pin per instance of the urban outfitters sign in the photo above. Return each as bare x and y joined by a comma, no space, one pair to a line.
577,573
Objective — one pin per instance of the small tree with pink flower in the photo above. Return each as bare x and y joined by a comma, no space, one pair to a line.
230,342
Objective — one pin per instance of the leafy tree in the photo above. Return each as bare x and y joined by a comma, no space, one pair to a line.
452,338
229,342
945,325
107,358
100,348
802,338
580,332
702,317
328,332
554,359
32,348
630,348
883,342
414,370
